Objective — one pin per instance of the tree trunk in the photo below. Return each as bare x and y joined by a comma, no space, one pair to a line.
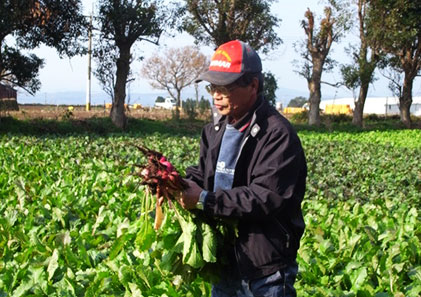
405,101
357,116
179,105
117,114
315,92
196,91
314,113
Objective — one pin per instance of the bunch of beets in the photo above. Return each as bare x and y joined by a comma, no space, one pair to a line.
162,179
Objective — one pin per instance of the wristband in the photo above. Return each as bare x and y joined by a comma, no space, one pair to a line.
201,203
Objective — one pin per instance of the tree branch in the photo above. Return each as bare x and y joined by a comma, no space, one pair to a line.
18,85
336,85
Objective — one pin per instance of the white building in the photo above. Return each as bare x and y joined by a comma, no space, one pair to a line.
377,105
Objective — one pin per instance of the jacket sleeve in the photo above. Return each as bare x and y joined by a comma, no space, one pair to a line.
277,176
196,173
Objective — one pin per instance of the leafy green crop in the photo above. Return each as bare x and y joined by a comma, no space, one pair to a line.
362,215
71,220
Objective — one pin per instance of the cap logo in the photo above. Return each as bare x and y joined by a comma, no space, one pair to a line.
221,62
223,53
229,62
227,58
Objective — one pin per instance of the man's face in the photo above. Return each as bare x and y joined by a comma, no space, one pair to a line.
233,100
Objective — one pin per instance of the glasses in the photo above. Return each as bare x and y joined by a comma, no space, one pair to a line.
223,90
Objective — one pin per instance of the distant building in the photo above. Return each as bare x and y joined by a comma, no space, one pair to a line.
376,105
8,98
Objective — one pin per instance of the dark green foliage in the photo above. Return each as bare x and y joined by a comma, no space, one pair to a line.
204,105
159,99
106,54
217,22
193,108
300,117
337,118
190,108
121,24
96,126
24,69
270,87
395,26
297,102
127,22
361,70
57,24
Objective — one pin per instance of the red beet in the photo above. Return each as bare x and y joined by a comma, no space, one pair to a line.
160,173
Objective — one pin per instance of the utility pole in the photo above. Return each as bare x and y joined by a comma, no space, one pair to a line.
88,88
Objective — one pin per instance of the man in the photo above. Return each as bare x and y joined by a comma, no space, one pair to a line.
251,168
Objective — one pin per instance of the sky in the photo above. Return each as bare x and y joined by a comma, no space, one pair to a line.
70,75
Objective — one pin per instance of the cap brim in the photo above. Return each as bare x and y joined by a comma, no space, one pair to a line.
219,78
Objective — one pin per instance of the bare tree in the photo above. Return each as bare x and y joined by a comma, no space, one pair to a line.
176,69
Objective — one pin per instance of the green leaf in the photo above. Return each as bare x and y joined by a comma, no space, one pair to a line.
118,246
194,258
358,277
82,252
25,285
134,290
145,237
39,278
191,252
52,264
209,245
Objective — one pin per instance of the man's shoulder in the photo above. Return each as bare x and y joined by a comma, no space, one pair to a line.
274,120
211,128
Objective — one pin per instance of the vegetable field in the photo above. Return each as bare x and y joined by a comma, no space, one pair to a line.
71,222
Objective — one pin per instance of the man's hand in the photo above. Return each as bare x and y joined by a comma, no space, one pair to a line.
190,196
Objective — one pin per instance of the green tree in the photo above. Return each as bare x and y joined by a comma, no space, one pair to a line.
270,87
27,24
190,108
194,107
360,73
297,102
121,24
217,22
396,26
106,57
204,105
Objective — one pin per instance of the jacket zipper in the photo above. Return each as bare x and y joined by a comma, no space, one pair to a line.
287,235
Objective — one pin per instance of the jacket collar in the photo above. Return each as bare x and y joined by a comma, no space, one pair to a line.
219,121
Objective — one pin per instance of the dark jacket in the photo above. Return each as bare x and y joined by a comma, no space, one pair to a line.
267,191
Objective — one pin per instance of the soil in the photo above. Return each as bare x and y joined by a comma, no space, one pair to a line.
27,112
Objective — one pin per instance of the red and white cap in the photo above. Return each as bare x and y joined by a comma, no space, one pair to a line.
229,62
